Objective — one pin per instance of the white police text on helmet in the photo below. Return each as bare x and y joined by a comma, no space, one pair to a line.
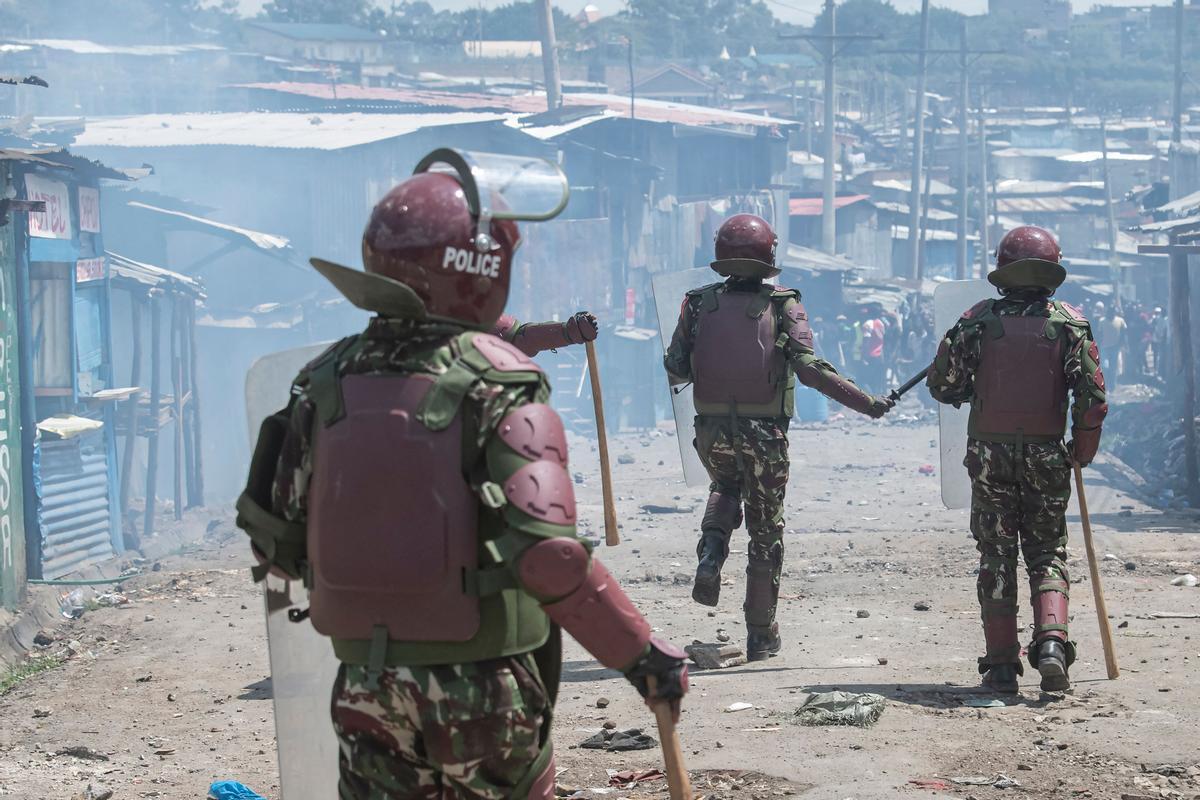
472,262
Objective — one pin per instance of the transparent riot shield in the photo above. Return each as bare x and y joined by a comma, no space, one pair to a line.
303,667
950,300
669,289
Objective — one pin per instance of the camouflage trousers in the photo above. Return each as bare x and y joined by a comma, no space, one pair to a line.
450,731
749,463
1018,503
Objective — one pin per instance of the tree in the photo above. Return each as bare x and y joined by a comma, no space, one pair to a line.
351,12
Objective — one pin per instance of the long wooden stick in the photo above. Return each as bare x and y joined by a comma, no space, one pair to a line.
1110,655
611,535
677,775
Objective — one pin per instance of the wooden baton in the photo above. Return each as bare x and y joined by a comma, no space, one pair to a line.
611,536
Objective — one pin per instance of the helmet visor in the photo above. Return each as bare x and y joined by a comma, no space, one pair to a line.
503,186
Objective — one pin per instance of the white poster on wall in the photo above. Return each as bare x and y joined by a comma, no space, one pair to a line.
89,209
55,221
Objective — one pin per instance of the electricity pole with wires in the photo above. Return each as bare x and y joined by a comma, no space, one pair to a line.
826,45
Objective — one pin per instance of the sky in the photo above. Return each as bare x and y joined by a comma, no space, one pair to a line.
800,11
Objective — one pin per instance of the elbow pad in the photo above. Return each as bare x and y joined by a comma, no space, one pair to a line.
835,387
588,604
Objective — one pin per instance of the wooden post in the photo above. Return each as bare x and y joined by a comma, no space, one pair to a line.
177,392
964,158
1181,337
924,230
985,245
1114,260
549,55
918,155
155,397
185,354
135,375
198,459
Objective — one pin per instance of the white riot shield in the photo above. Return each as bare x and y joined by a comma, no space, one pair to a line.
669,289
303,667
950,300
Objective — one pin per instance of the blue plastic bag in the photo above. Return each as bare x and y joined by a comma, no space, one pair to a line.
232,790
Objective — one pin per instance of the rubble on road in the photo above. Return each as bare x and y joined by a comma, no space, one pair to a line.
860,710
708,655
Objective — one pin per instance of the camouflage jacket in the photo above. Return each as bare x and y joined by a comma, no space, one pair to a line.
951,377
800,353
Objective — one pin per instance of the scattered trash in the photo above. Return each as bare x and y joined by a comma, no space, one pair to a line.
841,708
144,678
41,713
148,618
761,730
42,639
929,783
739,707
165,751
882,661
619,741
926,469
722,636
78,751
232,790
627,779
1124,624
1130,566
71,604
1186,580
95,791
1001,781
1173,615
921,605
112,599
651,508
715,656
862,613
977,701
1110,557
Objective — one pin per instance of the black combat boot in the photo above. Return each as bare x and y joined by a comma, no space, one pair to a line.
722,515
712,551
762,643
1052,664
1002,678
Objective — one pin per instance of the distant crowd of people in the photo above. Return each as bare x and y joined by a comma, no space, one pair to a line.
876,346
880,348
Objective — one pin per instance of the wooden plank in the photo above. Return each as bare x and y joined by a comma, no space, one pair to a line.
155,398
131,410
177,399
1169,249
198,461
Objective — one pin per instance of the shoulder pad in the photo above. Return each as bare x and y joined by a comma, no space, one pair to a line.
783,292
978,310
502,356
699,290
1073,314
536,432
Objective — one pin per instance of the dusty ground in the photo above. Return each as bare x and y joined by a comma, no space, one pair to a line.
171,691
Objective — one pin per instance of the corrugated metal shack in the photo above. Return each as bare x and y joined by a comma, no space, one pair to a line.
64,346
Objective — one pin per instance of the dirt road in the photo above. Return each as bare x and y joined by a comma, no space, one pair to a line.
159,697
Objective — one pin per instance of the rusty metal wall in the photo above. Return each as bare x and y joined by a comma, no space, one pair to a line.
76,516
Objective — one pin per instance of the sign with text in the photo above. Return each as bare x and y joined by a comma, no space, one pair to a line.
89,269
12,525
89,209
55,221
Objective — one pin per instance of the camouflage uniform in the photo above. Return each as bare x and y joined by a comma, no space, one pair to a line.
458,730
747,457
1019,491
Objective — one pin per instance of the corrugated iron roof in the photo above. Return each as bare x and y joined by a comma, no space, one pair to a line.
263,241
260,129
935,214
317,31
815,206
1034,205
1092,156
528,103
89,48
936,187
1184,205
149,275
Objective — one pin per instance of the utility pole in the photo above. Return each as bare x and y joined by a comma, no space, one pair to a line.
964,159
966,58
985,244
550,56
923,252
914,197
1114,260
1177,127
829,53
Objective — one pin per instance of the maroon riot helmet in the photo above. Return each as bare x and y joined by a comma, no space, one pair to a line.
745,248
440,245
1028,256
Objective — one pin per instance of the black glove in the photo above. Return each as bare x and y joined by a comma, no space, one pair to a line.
664,662
582,327
880,406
